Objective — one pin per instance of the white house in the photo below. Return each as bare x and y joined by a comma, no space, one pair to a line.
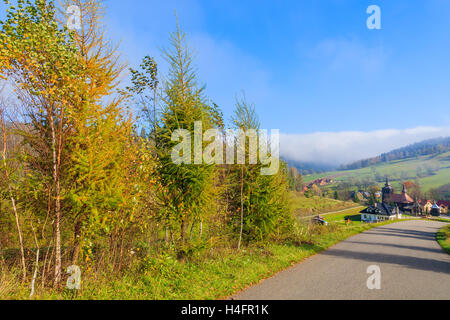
380,212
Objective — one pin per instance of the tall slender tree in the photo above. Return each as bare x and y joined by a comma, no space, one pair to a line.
103,150
263,200
188,185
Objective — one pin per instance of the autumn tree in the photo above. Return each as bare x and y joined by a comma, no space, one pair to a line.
295,179
373,191
67,83
104,187
38,57
414,190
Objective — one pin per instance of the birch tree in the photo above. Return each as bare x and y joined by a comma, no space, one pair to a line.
41,62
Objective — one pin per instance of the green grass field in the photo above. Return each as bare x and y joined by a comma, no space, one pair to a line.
304,206
399,171
441,178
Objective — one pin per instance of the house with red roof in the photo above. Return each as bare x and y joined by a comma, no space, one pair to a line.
444,206
403,201
425,206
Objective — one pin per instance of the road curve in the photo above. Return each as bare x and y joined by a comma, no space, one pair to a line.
412,264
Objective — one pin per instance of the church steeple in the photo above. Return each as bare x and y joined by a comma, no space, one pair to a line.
404,189
387,190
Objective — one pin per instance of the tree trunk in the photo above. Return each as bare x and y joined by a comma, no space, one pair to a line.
182,230
36,266
242,207
19,231
50,260
166,239
192,230
45,264
57,206
58,264
121,251
77,243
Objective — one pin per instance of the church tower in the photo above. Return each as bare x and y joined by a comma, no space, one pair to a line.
387,190
404,189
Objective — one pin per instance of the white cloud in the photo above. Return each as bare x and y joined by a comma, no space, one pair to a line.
340,55
337,148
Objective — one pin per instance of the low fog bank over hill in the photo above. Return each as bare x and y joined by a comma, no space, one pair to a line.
324,151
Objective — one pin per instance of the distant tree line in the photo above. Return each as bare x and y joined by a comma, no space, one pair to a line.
441,193
424,148
305,168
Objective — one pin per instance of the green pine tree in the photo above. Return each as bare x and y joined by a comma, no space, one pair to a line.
185,189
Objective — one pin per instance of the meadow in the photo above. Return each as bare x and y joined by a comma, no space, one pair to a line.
303,206
430,171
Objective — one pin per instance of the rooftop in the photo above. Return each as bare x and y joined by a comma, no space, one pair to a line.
381,209
400,198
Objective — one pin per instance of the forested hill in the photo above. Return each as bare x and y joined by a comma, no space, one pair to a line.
309,167
427,147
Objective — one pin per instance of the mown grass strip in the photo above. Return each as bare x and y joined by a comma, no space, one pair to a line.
443,237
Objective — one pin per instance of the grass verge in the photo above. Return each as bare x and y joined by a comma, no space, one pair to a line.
217,274
443,237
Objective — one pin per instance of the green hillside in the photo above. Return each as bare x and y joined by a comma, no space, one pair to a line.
431,171
303,206
423,148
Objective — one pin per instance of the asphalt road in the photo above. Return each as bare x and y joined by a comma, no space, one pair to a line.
412,265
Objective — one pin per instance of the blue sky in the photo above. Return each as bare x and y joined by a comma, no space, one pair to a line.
312,67
307,65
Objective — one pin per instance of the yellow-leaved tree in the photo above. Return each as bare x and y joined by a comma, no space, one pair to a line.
104,190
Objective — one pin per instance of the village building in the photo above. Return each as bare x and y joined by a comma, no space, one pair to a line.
319,183
444,205
360,195
392,206
404,202
435,210
427,205
380,212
